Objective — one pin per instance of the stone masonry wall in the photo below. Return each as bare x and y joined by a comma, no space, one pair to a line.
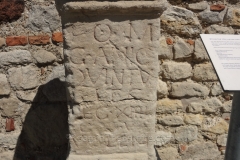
192,110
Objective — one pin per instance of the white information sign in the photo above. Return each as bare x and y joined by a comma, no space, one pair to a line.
224,52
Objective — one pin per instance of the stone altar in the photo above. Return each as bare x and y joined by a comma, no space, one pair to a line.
111,61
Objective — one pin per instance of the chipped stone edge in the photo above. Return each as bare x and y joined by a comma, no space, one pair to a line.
116,8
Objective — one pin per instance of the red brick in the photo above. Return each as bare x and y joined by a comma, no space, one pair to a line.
217,7
191,42
57,37
10,125
40,39
182,148
169,41
16,40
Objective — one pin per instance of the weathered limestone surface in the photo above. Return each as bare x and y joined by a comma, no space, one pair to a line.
111,74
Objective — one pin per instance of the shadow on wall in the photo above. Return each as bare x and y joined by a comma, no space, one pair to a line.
44,134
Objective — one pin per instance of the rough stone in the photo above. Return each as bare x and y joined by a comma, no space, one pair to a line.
162,90
200,6
4,86
180,21
2,42
163,138
24,77
216,89
171,121
7,155
44,57
216,29
200,53
168,153
227,107
188,89
209,135
9,139
213,105
194,119
168,106
15,57
16,41
232,17
26,95
204,72
181,49
205,150
43,18
196,107
176,70
186,133
10,107
215,125
212,17
164,52
58,72
222,140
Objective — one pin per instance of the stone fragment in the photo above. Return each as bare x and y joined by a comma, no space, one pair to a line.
4,86
200,6
215,125
24,77
168,106
168,153
8,140
188,89
39,40
232,17
2,42
163,138
196,107
164,52
176,70
186,133
15,57
10,107
26,95
217,7
204,72
171,121
16,40
200,53
213,105
162,90
169,41
227,107
216,29
181,49
43,18
57,37
205,150
194,119
180,21
44,57
209,135
222,140
212,17
216,89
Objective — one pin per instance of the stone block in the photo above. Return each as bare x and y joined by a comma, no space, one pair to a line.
186,133
44,57
216,29
232,17
222,140
168,153
193,119
176,70
204,72
215,125
212,17
171,120
168,106
24,77
216,89
181,49
4,86
16,41
163,138
10,107
15,57
200,53
162,90
200,6
188,89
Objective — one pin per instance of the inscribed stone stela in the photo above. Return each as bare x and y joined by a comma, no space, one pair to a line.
111,73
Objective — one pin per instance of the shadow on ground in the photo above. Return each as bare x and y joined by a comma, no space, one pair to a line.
45,129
